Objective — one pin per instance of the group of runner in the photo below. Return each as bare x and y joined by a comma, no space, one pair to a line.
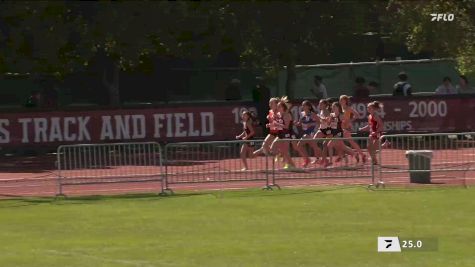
332,121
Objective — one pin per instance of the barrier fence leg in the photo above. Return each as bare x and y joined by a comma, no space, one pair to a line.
267,175
379,166
268,183
60,187
380,182
59,181
375,184
270,180
273,176
165,189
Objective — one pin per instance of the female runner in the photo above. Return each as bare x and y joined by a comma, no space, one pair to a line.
375,127
247,134
285,124
308,122
324,131
273,129
336,120
349,115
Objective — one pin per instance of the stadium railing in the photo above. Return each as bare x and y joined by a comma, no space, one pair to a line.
343,171
213,162
451,157
444,158
86,164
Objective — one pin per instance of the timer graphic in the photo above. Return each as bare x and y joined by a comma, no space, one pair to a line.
411,244
402,244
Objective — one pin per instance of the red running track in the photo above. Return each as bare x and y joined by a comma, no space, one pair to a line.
37,176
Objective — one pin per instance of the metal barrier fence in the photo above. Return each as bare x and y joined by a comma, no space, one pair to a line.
109,163
352,168
446,158
443,157
219,161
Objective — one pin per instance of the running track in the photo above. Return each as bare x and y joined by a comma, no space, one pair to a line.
37,176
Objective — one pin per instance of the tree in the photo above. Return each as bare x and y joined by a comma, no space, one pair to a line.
416,29
63,37
278,34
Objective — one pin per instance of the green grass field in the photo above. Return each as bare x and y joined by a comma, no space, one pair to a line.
292,227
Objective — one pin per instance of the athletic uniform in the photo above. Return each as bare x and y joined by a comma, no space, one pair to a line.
347,119
273,130
285,133
335,125
373,128
325,127
293,134
308,124
248,132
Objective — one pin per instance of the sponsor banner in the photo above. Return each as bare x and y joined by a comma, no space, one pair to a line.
168,124
421,114
217,122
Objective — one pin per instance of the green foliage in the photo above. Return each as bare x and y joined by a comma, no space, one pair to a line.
277,33
62,37
444,38
65,36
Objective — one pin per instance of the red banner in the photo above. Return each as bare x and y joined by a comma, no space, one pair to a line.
429,114
217,122
168,124
421,114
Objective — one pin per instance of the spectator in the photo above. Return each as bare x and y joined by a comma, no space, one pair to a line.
360,89
233,91
463,87
34,100
402,87
318,88
50,97
261,96
446,88
373,86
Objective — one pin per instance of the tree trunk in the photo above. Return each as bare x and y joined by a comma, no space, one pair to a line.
112,86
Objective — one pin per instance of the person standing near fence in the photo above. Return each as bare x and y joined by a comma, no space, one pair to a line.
260,95
446,88
318,89
247,134
464,87
402,87
35,100
375,127
233,90
360,89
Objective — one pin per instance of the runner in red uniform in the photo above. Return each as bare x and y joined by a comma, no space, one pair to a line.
285,125
375,127
273,129
247,134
